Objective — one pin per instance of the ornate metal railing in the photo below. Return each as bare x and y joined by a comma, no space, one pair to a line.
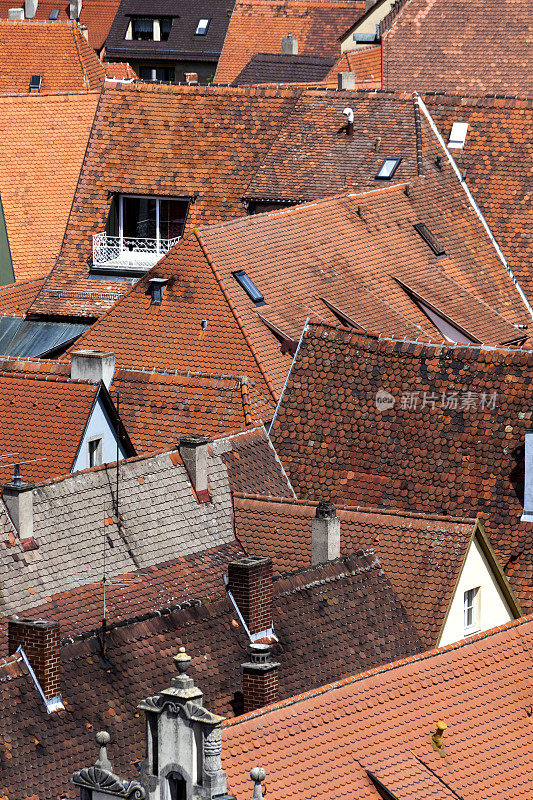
119,252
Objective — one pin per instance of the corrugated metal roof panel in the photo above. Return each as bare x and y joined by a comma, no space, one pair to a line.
33,338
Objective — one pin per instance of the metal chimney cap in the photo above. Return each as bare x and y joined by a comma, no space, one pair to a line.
325,510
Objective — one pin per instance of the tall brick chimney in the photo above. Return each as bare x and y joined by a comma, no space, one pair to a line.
250,583
260,684
41,643
325,533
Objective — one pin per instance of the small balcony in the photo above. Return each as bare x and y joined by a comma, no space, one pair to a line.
128,255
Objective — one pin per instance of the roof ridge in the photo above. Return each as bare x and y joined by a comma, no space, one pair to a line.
424,656
46,376
486,99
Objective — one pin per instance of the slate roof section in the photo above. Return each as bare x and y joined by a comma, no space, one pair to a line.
57,51
182,43
159,407
421,555
361,624
158,138
258,26
328,739
488,56
497,156
457,450
277,68
365,63
41,152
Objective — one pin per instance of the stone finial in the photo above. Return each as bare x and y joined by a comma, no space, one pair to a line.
103,739
182,661
257,774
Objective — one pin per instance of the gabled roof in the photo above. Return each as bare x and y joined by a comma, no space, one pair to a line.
361,626
41,152
150,138
57,51
450,441
119,71
96,16
365,63
486,58
277,68
258,26
182,42
328,740
421,555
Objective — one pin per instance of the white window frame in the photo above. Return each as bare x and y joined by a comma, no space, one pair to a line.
121,216
99,450
205,27
472,604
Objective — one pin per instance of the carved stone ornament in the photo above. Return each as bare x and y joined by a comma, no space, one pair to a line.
153,703
97,778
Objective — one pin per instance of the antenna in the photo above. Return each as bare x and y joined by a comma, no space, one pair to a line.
116,435
104,610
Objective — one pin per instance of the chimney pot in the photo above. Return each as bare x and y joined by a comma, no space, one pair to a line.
30,8
346,80
325,533
40,640
18,499
260,681
75,9
193,451
16,14
92,365
289,45
250,583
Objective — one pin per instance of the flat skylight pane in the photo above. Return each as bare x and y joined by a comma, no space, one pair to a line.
458,135
201,28
35,83
249,286
388,168
54,14
429,239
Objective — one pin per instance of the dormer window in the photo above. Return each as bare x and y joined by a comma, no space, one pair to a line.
149,29
201,28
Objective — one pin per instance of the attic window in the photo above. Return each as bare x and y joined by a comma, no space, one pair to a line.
54,14
458,135
249,287
429,239
149,29
201,28
35,83
387,169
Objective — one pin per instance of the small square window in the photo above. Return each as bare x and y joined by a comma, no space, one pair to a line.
458,135
201,28
387,169
54,14
35,83
472,598
429,239
249,287
95,452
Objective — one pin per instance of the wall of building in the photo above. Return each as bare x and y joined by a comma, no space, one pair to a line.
493,606
368,25
99,425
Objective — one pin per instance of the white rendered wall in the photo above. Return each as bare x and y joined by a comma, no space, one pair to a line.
493,607
367,26
99,425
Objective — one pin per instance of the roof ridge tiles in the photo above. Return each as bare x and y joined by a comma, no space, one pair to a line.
341,565
424,656
183,88
46,376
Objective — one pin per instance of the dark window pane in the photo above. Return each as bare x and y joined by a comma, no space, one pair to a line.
139,217
143,29
172,215
165,24
112,220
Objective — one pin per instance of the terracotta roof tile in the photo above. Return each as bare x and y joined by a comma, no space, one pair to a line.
365,63
15,298
326,740
57,51
276,68
253,464
452,443
258,26
119,71
41,152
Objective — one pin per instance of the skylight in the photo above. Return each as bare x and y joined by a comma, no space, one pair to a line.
388,168
458,135
201,28
429,239
249,286
54,14
35,83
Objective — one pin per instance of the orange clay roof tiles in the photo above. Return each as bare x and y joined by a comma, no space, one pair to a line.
326,740
365,64
15,298
55,50
421,555
478,47
41,152
258,26
453,442
176,141
119,70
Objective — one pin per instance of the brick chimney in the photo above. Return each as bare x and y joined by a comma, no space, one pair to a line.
250,584
289,45
92,365
260,684
41,643
193,451
18,498
325,533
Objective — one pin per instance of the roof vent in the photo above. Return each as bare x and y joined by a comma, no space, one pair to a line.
458,135
35,83
289,45
157,290
30,8
349,117
346,80
436,738
16,14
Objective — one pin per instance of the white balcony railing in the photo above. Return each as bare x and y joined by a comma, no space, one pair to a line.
121,252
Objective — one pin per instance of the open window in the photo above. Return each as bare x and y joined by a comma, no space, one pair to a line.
201,28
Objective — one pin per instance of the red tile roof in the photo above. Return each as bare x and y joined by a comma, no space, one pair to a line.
252,463
148,136
119,71
258,26
57,51
326,740
453,442
15,298
421,555
485,58
365,63
41,152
